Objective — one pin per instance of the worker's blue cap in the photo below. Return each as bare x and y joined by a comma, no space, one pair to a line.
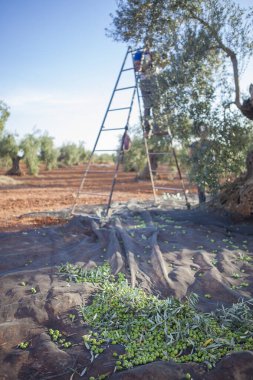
137,56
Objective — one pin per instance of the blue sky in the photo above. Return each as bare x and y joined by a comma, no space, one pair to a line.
57,67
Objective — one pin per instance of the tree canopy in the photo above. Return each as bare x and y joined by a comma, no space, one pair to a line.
205,32
201,48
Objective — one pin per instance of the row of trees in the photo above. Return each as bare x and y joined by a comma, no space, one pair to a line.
36,148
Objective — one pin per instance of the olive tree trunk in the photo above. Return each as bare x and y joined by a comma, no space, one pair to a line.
15,169
249,165
154,165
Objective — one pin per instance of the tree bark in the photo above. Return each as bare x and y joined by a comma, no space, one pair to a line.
247,109
154,165
249,165
15,170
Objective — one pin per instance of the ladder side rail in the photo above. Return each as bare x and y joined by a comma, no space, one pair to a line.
181,178
121,152
101,128
110,101
109,105
174,154
145,140
120,157
179,170
131,107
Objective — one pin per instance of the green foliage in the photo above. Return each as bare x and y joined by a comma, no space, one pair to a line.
194,41
191,39
104,158
4,115
135,158
235,135
229,139
77,274
151,328
5,162
72,154
48,153
221,24
8,146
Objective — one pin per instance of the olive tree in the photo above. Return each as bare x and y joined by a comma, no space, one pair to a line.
48,153
30,145
33,148
9,149
216,29
72,154
202,48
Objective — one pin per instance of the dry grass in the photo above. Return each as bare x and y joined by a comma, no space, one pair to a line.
7,181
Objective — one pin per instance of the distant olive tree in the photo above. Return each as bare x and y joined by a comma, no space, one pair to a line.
72,154
10,153
31,148
9,149
48,153
104,158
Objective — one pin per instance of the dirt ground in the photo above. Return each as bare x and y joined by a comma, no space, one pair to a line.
57,189
165,249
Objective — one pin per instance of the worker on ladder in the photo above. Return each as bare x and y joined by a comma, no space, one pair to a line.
144,67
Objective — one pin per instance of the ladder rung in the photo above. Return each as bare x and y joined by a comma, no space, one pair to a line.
119,109
160,133
107,150
168,188
112,129
100,171
157,153
130,68
161,172
124,88
89,193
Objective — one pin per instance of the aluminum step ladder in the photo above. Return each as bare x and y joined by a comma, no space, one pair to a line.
104,129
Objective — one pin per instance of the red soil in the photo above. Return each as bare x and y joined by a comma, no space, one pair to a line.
56,190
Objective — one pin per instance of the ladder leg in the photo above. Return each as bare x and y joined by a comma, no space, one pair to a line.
102,128
120,158
121,153
181,179
145,140
168,133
